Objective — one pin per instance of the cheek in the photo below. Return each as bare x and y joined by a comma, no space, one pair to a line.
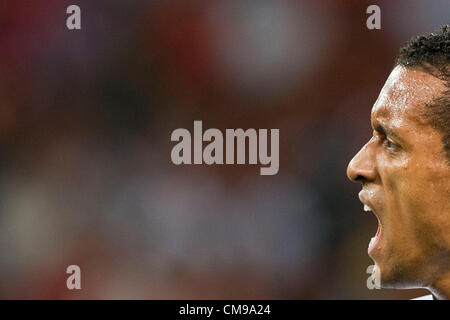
414,195
400,191
429,199
395,174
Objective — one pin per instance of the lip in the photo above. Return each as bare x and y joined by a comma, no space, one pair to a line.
367,201
376,240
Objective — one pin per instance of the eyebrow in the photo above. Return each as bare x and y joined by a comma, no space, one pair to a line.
387,131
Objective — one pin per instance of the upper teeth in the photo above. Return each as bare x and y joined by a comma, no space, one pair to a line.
367,208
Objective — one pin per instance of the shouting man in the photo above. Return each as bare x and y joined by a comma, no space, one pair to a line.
404,169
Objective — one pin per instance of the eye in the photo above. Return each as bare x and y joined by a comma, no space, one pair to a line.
389,144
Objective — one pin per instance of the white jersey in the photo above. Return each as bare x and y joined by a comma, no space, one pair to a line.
427,297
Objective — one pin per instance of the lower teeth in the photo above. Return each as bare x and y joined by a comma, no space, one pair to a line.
372,241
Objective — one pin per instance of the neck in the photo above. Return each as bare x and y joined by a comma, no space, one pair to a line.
441,287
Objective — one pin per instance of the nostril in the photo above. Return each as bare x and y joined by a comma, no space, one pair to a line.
359,178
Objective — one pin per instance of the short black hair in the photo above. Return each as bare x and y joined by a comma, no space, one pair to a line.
431,53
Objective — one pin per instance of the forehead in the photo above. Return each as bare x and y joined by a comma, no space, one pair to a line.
404,96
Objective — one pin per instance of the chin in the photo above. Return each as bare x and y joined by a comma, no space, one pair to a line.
396,276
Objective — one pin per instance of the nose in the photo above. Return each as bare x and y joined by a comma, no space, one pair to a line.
362,167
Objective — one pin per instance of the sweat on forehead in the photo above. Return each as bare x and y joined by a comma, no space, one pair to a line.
407,90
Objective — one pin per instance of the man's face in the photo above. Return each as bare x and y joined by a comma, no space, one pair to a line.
406,182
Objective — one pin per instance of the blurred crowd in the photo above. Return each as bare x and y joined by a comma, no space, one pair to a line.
85,123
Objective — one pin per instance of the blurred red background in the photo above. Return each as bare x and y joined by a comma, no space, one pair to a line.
85,123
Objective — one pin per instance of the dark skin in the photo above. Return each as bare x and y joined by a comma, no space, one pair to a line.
405,177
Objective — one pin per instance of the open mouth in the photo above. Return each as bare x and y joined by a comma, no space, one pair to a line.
374,241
